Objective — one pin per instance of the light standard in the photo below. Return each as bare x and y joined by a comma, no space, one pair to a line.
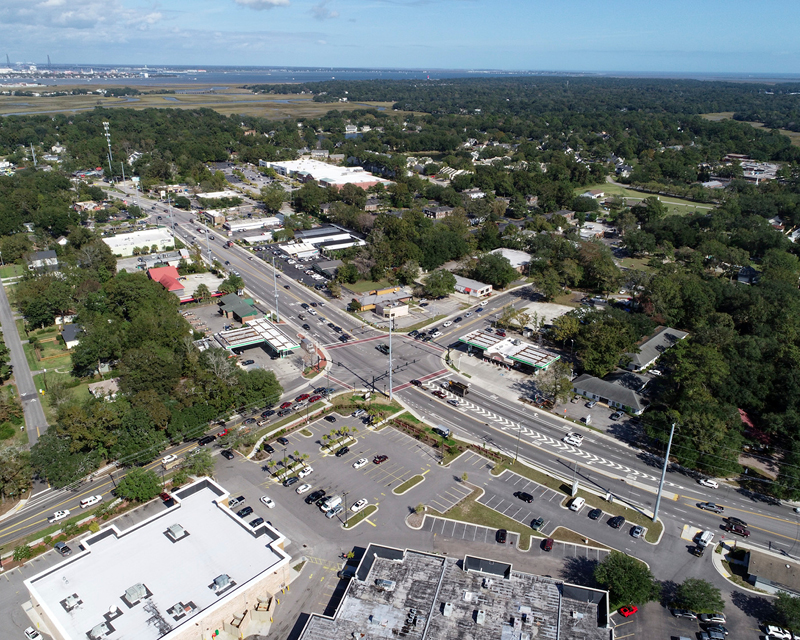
663,473
344,496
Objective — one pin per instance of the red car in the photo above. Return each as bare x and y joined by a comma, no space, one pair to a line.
379,459
548,544
314,399
286,405
738,529
302,397
224,432
627,612
439,393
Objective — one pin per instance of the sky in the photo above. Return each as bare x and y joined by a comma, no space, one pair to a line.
731,36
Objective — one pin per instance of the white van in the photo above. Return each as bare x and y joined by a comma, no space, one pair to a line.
88,502
705,538
577,504
330,503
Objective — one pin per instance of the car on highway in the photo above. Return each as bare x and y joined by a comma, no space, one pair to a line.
290,481
537,523
250,421
732,520
89,501
302,397
708,482
468,314
524,496
454,402
501,536
303,488
616,522
32,634
58,515
439,393
359,505
170,458
343,451
380,459
268,502
227,454
307,327
447,324
738,529
360,463
710,506
627,612
547,545
314,398
683,613
286,405
637,531
267,413
206,440
416,383
575,439
479,309
595,514
243,513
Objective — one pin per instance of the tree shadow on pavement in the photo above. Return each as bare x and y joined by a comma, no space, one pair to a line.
757,607
580,571
669,591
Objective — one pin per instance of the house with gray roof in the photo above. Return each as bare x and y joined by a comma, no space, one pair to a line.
651,348
614,395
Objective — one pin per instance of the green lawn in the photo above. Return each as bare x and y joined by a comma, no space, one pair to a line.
361,516
419,325
408,484
10,270
675,206
368,285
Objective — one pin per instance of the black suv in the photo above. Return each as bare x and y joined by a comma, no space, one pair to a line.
290,481
268,448
243,513
525,497
343,451
206,440
616,522
595,514
317,495
228,454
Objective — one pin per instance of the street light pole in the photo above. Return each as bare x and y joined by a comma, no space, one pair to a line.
519,431
391,394
344,496
278,313
663,473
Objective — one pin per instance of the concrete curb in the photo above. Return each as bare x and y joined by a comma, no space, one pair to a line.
413,486
15,509
363,520
716,560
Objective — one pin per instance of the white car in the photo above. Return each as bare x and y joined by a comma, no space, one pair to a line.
59,515
306,471
311,311
91,500
447,324
468,314
170,458
575,439
778,632
707,482
268,502
360,463
291,261
303,488
358,506
32,634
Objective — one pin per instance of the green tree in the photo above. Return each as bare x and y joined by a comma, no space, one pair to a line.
440,283
556,382
565,327
699,596
494,269
139,485
232,284
15,472
273,196
628,580
22,553
200,463
787,611
348,273
202,293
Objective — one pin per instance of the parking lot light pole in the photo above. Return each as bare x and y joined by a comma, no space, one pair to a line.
391,395
344,495
663,473
275,283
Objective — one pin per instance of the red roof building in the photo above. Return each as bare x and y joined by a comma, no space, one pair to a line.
168,278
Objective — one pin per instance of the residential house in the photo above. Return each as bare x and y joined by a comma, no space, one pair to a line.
105,389
594,194
372,204
43,261
748,275
235,308
651,348
437,212
71,335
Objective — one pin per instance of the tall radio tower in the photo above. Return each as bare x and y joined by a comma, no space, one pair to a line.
108,140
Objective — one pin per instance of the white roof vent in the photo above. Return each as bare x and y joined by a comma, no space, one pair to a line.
576,615
176,532
448,609
481,617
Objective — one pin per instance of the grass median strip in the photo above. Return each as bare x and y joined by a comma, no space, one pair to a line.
408,484
469,510
562,534
361,516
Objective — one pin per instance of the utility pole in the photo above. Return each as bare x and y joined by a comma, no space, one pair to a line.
278,313
391,394
122,164
107,134
663,473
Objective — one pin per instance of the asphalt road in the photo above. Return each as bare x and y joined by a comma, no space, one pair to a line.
35,421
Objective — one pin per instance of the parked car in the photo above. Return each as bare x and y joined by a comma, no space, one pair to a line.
537,524
627,612
247,363
616,415
243,513
380,459
62,548
524,496
637,531
268,502
547,545
303,488
290,481
717,628
256,522
707,482
32,634
314,496
343,451
334,511
710,506
616,522
596,514
283,441
359,505
683,613
502,536
268,447
714,618
235,502
360,463
330,418
305,472
591,403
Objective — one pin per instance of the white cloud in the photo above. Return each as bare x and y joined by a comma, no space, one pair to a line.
321,12
262,4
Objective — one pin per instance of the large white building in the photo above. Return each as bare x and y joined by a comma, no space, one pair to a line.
248,224
327,175
123,244
190,570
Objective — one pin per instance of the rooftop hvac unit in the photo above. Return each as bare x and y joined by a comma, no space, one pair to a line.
70,602
576,615
386,585
448,609
481,617
221,581
176,532
99,632
135,593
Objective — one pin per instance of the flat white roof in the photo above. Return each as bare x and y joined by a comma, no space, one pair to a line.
139,238
510,348
213,195
322,171
297,248
172,571
255,332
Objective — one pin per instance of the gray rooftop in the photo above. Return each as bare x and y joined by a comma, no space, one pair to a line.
609,391
172,565
426,596
654,346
